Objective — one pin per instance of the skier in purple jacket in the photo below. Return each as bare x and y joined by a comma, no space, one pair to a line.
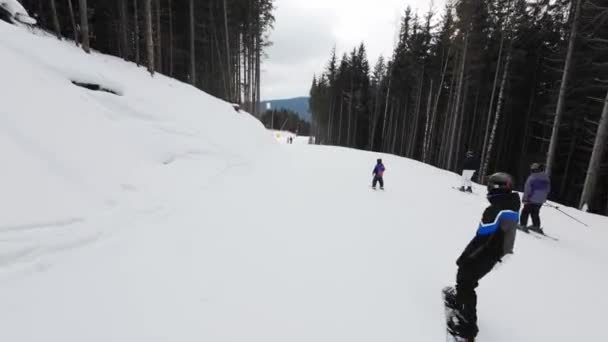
536,191
378,173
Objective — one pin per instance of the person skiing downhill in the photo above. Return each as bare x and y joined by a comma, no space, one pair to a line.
536,191
471,164
494,240
378,173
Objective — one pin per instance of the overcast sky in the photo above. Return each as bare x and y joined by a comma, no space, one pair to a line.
305,31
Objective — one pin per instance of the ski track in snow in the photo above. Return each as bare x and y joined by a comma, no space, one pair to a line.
40,225
164,215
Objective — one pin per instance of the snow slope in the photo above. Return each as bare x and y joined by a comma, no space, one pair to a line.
71,153
164,215
283,136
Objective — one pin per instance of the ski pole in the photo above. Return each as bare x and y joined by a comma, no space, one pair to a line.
563,212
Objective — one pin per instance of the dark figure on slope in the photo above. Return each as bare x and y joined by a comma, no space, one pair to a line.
536,191
494,239
471,164
378,174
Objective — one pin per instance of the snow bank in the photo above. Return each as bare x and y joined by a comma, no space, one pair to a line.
69,152
17,11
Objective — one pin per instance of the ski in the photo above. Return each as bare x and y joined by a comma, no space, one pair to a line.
542,234
525,230
536,233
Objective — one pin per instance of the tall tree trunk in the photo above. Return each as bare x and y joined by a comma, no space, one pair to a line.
458,99
599,148
563,187
503,83
561,100
330,117
397,120
446,122
159,55
458,146
436,104
376,116
258,54
228,63
171,66
427,123
350,115
403,134
137,38
124,28
526,133
387,138
473,125
73,19
388,94
414,134
218,48
84,25
491,106
149,36
339,141
55,19
192,46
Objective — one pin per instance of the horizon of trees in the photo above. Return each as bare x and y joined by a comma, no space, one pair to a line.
215,45
515,81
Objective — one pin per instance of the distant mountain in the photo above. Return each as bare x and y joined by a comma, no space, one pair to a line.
296,104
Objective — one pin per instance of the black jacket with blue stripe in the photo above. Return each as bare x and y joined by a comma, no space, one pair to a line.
495,235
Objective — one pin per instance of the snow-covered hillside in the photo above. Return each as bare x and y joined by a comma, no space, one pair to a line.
161,214
71,153
15,12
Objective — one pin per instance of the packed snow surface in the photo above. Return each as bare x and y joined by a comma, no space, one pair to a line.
161,214
283,137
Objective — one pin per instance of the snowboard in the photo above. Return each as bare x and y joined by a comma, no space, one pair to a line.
449,317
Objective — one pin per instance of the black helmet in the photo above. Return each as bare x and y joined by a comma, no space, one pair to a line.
379,160
500,182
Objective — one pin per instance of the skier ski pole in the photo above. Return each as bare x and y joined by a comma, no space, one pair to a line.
563,212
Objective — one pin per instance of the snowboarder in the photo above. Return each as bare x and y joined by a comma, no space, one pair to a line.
494,240
536,191
378,174
471,164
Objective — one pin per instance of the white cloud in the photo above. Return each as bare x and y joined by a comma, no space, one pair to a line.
306,31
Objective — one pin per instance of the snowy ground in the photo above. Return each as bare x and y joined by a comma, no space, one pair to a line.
282,137
164,215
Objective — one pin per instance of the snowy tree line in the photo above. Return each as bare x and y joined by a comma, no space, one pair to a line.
215,45
515,81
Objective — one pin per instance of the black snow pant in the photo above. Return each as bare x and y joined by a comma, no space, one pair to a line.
378,179
530,209
467,281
